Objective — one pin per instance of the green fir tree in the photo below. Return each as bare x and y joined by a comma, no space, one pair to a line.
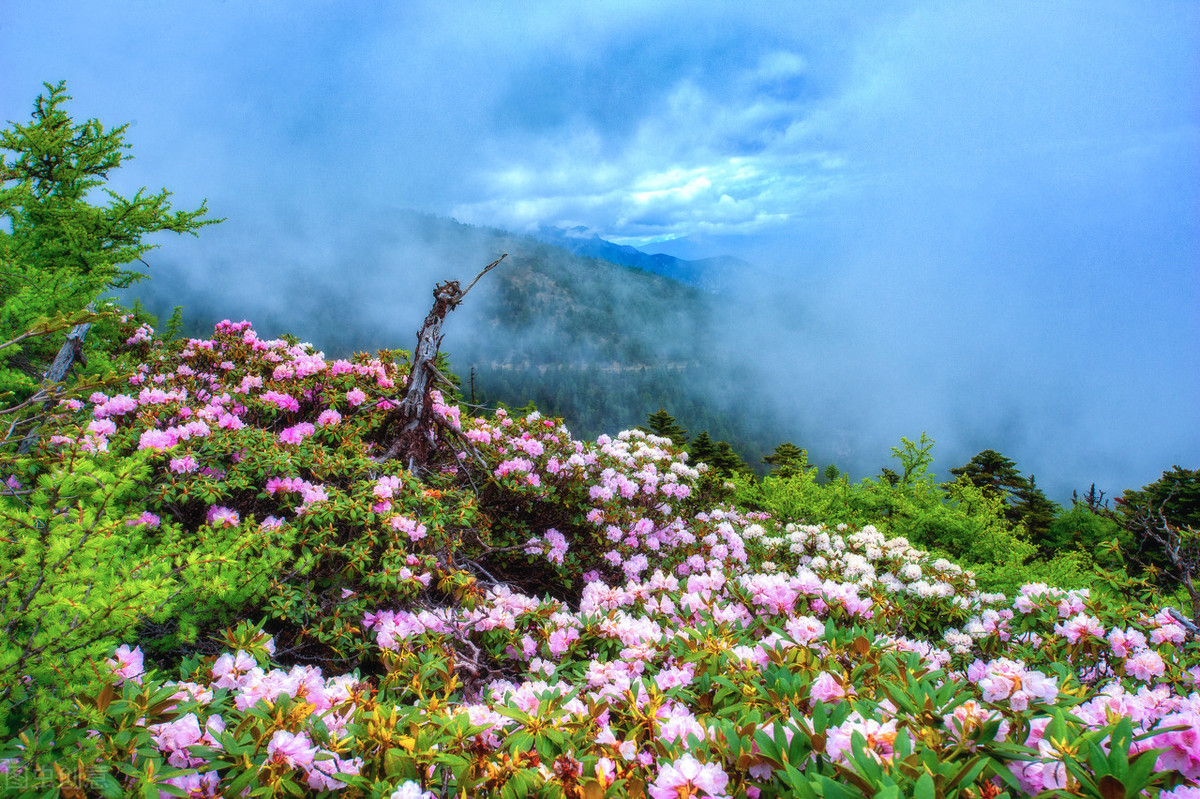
787,460
59,248
661,423
702,449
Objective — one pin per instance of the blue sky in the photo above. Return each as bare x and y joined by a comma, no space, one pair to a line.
987,214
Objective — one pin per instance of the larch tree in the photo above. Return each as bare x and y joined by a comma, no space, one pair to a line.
66,238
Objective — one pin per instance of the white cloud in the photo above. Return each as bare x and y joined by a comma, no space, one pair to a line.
739,163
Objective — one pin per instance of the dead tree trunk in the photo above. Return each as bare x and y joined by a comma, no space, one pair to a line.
70,353
416,441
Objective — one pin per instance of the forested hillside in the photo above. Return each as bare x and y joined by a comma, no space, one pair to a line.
600,344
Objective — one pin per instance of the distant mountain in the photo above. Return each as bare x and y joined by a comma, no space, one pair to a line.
693,247
600,334
717,274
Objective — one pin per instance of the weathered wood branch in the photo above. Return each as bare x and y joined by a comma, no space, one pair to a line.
1184,622
70,353
416,442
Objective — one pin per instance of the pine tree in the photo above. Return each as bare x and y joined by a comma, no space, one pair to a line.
702,449
1093,500
996,476
661,423
1175,496
1036,510
727,462
787,460
1163,519
992,472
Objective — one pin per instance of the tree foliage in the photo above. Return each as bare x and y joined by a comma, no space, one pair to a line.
787,460
661,423
1163,521
63,246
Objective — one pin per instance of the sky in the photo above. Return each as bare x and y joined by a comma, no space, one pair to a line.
976,219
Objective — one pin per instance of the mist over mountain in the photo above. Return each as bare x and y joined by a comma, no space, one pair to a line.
842,364
602,344
717,274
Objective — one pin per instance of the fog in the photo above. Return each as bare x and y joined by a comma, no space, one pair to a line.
975,220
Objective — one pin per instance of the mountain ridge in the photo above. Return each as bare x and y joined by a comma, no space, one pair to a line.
714,274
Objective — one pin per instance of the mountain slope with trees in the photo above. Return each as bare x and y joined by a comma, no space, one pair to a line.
598,343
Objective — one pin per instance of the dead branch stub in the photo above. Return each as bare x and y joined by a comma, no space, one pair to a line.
68,355
416,441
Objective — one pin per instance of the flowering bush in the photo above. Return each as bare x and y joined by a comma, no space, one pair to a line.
535,616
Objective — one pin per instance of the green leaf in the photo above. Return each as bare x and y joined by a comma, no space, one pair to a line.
108,786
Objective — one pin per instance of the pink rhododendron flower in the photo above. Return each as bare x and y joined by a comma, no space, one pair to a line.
147,519
968,718
285,402
297,433
195,784
561,639
687,776
221,516
294,750
143,333
1080,626
674,677
558,546
676,723
1039,775
356,397
1125,642
156,439
1182,746
804,629
1167,633
127,664
404,524
328,417
229,421
101,427
1145,665
323,774
1008,679
249,382
175,738
183,465
879,738
386,487
825,688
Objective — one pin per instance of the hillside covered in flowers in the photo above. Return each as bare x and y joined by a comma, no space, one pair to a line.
231,566
213,585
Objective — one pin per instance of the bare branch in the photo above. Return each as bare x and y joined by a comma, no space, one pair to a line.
486,269
1184,622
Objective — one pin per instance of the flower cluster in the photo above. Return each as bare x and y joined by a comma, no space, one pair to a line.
542,615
